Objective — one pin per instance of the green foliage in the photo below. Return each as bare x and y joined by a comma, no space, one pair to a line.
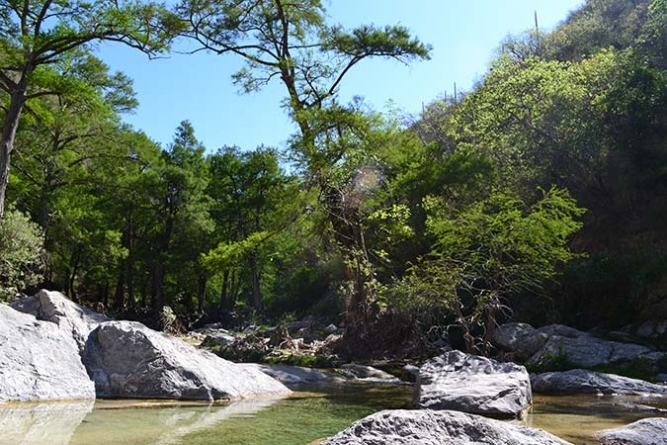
654,37
450,219
291,41
228,255
597,25
515,244
617,288
484,254
21,254
45,53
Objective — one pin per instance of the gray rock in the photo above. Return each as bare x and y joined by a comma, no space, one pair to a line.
42,423
127,359
211,327
557,342
579,381
428,427
366,373
652,328
218,338
294,375
473,384
38,361
332,329
410,373
561,330
72,318
643,432
520,338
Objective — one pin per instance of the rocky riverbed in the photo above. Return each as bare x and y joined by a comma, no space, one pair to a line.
53,349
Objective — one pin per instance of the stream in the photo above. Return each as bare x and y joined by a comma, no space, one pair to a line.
302,419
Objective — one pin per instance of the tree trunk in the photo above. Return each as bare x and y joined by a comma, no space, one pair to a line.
257,302
71,279
157,284
201,292
233,290
119,294
9,128
224,292
5,155
129,278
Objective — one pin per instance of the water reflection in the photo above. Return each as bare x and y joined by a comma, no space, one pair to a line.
308,415
576,418
115,423
41,423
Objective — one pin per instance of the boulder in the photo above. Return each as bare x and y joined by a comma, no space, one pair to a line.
428,427
71,318
579,381
294,375
128,360
520,338
652,329
643,432
473,384
39,361
557,342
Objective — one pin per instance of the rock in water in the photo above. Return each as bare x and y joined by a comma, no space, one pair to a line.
473,384
428,427
580,381
643,432
127,359
70,317
38,361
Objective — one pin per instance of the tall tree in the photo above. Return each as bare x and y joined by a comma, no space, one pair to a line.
247,189
291,41
36,34
178,198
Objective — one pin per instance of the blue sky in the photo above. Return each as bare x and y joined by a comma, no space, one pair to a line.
464,35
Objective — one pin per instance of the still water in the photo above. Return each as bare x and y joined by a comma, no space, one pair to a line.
302,419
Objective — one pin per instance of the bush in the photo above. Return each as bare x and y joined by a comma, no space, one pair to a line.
21,254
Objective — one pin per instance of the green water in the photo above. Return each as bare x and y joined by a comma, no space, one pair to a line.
297,420
303,419
576,418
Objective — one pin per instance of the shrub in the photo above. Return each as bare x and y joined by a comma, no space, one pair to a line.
21,254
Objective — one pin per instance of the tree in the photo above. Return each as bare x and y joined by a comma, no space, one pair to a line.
654,37
34,35
487,252
21,254
180,204
291,42
597,25
247,189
